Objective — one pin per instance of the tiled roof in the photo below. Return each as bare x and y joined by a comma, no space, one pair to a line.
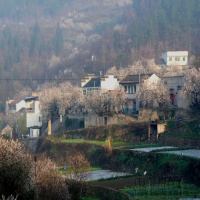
135,78
93,82
30,98
159,61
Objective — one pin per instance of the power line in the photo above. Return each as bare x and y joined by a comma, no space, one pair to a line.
69,79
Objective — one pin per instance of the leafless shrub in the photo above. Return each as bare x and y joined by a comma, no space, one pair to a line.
77,164
79,168
20,175
15,169
9,198
49,183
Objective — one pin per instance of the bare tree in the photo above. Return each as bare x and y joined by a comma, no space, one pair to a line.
56,101
49,183
9,198
151,92
105,102
191,88
139,67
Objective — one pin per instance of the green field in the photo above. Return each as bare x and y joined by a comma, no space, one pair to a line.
92,168
164,191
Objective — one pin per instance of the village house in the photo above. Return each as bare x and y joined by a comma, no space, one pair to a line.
91,83
131,85
33,116
175,85
173,58
179,58
12,106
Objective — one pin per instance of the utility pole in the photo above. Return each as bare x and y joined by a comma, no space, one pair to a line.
94,86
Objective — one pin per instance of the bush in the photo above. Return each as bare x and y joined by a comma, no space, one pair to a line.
15,173
21,176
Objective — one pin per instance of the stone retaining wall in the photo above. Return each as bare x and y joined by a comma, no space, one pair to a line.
178,141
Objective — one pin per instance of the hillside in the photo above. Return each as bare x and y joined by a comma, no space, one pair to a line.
35,46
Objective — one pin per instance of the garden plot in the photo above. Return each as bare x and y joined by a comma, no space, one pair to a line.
96,175
191,153
152,148
189,199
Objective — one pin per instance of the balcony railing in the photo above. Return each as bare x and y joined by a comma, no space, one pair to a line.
30,110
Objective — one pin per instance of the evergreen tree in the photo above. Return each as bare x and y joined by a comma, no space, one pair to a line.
58,41
35,41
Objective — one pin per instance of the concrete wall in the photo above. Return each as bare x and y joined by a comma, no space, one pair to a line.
147,114
33,117
94,120
177,83
170,57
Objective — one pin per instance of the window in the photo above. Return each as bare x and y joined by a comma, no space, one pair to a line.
177,58
39,119
170,58
165,82
179,87
132,89
183,58
135,88
84,92
105,121
125,87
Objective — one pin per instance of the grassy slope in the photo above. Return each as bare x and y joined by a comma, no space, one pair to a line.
114,145
92,168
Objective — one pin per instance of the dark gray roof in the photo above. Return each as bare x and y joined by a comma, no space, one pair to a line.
159,61
30,98
135,78
93,82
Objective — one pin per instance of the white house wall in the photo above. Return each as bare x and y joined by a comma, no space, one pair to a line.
110,83
173,54
20,105
34,117
153,79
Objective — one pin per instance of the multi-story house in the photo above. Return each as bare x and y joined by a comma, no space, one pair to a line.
12,106
92,83
179,58
131,85
33,116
